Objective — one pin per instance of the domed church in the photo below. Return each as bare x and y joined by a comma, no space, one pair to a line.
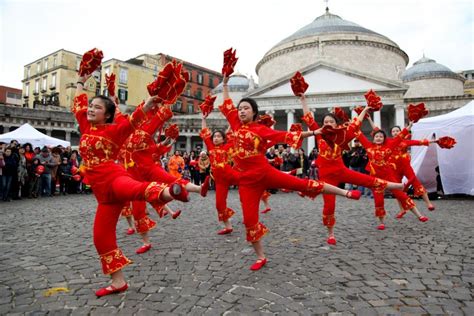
342,60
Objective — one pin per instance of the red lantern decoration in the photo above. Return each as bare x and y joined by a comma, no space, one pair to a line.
40,170
74,170
76,177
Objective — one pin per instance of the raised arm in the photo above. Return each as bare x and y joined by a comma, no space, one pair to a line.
308,117
225,87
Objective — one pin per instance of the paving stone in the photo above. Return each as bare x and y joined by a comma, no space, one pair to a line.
407,269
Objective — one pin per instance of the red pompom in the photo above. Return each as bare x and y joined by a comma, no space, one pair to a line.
172,131
208,105
76,177
416,112
298,85
90,61
170,83
296,127
373,100
40,170
229,62
341,114
446,142
358,109
266,120
74,169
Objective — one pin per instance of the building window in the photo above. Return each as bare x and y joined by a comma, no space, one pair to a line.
45,64
37,85
28,72
188,92
211,82
178,106
123,76
12,95
38,67
190,75
190,107
200,78
27,89
55,60
53,80
122,95
199,94
45,83
107,70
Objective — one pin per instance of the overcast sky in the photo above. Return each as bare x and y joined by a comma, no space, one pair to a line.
199,31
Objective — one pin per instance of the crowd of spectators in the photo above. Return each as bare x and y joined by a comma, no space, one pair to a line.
22,177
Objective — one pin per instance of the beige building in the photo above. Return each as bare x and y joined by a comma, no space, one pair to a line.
51,80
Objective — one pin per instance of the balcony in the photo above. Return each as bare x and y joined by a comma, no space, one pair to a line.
52,88
43,91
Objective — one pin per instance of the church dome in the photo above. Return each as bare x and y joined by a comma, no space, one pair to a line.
331,23
428,68
237,82
334,41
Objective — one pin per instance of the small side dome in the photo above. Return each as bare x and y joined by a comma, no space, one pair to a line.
426,68
237,82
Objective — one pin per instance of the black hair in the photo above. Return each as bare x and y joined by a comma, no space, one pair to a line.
330,115
109,107
253,104
28,144
381,132
396,126
220,132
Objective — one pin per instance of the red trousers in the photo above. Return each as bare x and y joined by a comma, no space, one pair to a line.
223,179
340,174
403,168
254,182
401,196
113,187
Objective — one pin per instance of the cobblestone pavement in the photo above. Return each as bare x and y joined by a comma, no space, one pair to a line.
410,268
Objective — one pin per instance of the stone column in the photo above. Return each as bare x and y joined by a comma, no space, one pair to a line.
188,143
68,136
377,119
48,132
400,115
290,118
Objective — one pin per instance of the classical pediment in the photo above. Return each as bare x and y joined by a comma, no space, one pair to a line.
325,78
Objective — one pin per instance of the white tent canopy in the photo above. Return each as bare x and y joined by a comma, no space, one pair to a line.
28,134
456,165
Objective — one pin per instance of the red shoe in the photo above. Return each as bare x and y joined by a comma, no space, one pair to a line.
110,290
292,172
353,194
143,249
431,207
165,212
225,231
285,190
130,231
205,186
176,214
266,210
301,194
401,214
178,192
423,219
381,227
258,264
331,240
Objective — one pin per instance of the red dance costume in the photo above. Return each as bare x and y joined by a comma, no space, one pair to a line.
223,174
139,154
332,169
381,166
110,182
401,159
256,174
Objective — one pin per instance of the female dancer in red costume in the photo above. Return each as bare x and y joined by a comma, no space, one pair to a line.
401,158
256,174
223,174
138,154
112,185
379,165
331,166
